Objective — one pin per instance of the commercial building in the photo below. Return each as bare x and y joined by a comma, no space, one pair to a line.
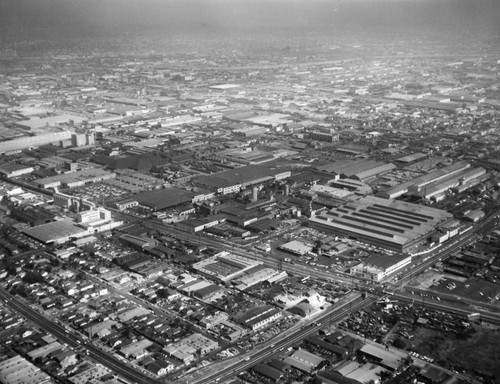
379,266
388,224
259,317
18,370
186,349
136,350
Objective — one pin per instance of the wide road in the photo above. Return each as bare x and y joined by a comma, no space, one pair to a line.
333,315
296,269
74,340
448,248
489,317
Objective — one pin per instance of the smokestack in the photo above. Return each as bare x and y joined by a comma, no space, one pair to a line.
255,194
287,189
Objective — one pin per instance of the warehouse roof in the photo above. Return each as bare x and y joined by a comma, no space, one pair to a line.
164,198
357,168
384,261
412,157
242,175
54,231
267,371
390,220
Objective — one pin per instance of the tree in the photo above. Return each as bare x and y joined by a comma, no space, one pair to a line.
398,343
32,277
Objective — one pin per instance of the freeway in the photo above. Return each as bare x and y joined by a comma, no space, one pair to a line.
74,340
332,315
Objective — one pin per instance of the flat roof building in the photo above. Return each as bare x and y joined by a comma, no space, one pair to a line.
18,370
358,169
25,142
235,179
75,179
161,199
422,181
388,224
377,267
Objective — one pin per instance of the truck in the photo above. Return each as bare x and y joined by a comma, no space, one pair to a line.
476,316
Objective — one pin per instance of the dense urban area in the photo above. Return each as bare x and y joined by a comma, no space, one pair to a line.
274,212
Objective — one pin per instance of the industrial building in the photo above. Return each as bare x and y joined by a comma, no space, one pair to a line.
225,266
161,199
448,176
17,369
13,170
259,317
411,158
27,142
377,267
75,179
137,161
437,190
251,131
388,224
60,231
297,247
236,179
327,137
303,360
358,169
71,202
38,123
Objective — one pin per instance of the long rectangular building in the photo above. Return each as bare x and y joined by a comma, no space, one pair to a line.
358,169
422,181
75,179
388,224
235,179
25,142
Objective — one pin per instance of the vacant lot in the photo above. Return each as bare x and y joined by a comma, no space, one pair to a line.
473,289
479,353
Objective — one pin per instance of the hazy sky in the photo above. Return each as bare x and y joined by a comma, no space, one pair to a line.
54,18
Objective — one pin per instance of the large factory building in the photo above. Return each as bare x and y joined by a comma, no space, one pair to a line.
388,224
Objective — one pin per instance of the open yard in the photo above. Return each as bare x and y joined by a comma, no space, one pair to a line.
479,353
472,289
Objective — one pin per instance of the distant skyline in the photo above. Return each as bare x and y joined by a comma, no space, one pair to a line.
46,20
